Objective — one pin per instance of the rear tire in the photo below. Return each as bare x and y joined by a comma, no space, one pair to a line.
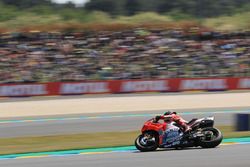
215,141
146,147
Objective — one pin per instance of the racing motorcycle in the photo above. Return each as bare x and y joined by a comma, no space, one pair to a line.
157,134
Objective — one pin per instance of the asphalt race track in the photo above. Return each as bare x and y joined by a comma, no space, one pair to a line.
223,156
103,123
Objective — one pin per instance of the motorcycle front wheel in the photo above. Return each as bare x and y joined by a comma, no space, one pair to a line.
147,142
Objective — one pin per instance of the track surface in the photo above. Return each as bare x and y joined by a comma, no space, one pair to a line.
41,98
224,156
119,104
81,124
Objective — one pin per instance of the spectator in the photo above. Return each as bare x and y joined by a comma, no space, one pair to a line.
130,54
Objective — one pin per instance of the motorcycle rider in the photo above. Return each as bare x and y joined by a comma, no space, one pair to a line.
170,117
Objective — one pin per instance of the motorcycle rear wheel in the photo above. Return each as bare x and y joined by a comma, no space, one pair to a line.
213,137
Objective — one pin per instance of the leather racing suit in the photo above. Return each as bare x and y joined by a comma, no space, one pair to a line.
170,117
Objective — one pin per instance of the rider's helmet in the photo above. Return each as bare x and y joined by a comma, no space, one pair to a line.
167,118
169,113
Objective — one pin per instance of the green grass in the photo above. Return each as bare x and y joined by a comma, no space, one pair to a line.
15,20
44,18
82,141
146,17
66,142
240,21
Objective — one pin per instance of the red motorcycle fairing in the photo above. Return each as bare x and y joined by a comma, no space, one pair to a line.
160,128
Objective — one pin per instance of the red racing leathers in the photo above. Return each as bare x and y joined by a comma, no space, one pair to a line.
174,118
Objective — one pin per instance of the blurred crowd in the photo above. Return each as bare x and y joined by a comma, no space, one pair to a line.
130,54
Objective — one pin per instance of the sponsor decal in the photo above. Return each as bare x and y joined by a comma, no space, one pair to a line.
244,83
141,86
23,90
203,84
82,88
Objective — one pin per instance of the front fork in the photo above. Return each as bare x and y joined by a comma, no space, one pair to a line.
147,138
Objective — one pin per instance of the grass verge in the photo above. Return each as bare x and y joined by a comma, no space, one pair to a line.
82,141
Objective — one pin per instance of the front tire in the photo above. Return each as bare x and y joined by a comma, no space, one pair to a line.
143,144
212,138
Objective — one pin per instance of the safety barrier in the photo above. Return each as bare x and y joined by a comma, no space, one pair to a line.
124,86
242,122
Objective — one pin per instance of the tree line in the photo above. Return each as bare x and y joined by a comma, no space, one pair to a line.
198,8
195,8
